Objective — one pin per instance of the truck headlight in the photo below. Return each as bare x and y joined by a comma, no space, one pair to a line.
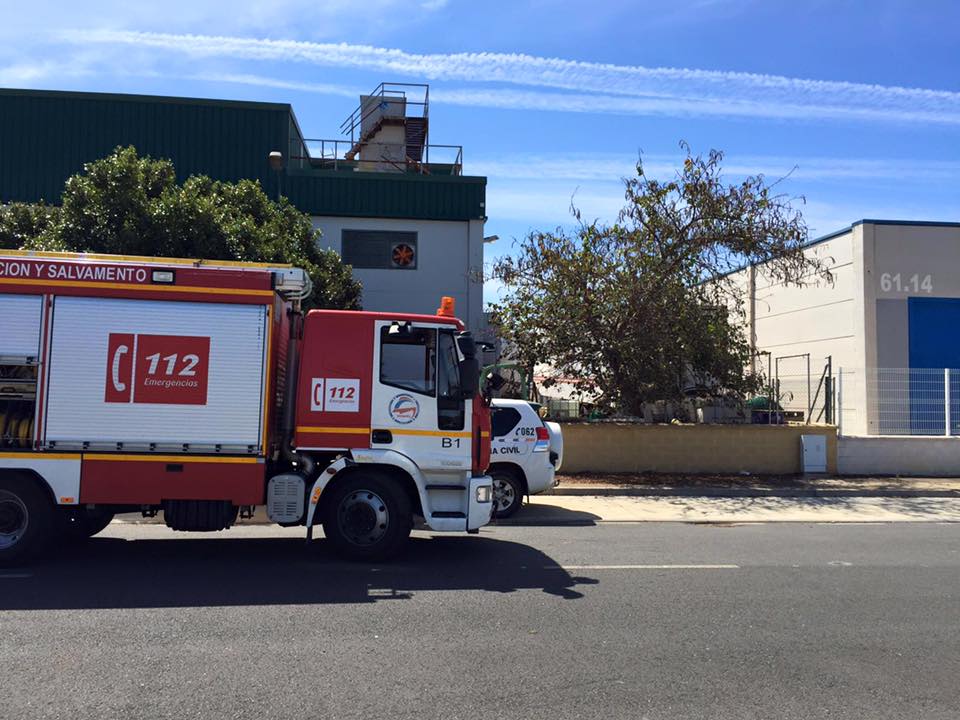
484,494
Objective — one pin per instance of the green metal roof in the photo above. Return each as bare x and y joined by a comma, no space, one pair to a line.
46,136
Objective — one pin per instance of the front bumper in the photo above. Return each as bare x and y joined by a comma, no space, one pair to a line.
479,510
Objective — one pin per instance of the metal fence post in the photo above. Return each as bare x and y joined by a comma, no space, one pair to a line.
946,402
840,402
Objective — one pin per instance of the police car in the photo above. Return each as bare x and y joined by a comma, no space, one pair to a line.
526,453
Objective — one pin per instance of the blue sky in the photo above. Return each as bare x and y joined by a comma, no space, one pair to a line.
553,100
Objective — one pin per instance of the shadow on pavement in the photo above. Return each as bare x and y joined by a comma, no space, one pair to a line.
116,573
826,509
540,514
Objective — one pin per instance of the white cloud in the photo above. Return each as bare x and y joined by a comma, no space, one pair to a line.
307,18
587,86
585,166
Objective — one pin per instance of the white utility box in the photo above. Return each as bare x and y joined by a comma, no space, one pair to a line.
813,453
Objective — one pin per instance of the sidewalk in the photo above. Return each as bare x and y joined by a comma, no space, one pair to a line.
748,486
559,510
588,500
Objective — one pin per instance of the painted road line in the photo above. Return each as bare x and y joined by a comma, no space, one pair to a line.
642,567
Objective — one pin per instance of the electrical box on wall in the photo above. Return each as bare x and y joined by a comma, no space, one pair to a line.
813,453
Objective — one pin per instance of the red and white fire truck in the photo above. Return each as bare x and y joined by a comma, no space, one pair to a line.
200,389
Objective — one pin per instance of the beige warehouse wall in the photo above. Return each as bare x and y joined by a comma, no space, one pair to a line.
629,448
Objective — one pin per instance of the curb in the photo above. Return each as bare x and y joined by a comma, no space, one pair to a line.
715,492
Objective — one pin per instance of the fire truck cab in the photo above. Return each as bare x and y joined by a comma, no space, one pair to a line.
201,390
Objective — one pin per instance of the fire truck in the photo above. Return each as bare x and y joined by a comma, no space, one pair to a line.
202,390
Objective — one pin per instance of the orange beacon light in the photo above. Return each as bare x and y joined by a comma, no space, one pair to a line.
447,307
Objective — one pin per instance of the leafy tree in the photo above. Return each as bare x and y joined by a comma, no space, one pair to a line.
131,205
646,309
22,223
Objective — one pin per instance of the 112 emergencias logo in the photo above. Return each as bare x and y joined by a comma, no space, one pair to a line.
162,369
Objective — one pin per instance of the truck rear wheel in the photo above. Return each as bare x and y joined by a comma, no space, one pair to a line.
367,517
26,519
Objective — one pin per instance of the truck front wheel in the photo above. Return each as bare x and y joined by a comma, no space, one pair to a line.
26,519
367,517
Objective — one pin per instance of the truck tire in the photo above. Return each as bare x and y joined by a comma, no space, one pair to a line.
81,524
26,520
507,493
367,517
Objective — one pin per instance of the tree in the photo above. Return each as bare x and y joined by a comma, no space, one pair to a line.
647,308
131,205
22,223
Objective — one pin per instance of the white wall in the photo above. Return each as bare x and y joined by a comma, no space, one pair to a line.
905,456
819,317
449,262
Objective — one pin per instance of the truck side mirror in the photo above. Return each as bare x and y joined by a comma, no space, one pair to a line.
494,382
469,377
469,365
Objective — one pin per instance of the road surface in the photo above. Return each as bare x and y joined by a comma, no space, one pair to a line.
604,620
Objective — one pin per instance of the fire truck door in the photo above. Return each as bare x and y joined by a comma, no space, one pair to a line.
418,409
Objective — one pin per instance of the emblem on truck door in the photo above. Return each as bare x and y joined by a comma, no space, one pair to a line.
404,408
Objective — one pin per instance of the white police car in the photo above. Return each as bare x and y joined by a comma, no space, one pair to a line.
525,454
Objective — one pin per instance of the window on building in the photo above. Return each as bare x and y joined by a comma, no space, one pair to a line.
408,360
379,249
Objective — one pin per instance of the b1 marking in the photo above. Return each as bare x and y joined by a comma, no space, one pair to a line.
335,395
450,442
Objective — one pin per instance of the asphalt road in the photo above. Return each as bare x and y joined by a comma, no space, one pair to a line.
615,620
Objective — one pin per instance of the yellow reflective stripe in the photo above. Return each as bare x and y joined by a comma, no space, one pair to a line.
144,259
131,286
175,459
41,455
429,433
395,431
335,430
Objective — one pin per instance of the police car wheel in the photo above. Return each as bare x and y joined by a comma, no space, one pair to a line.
507,493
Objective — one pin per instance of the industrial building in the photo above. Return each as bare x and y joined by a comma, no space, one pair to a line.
881,340
396,207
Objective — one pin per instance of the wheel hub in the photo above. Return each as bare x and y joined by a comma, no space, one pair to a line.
503,494
13,519
363,517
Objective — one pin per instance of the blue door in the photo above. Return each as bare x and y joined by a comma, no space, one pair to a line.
934,345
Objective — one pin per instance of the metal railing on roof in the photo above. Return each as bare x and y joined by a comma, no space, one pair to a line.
407,93
323,154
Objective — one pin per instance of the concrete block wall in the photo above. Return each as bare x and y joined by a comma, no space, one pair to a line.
631,448
905,456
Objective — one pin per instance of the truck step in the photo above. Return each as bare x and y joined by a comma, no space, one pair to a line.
446,514
445,487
